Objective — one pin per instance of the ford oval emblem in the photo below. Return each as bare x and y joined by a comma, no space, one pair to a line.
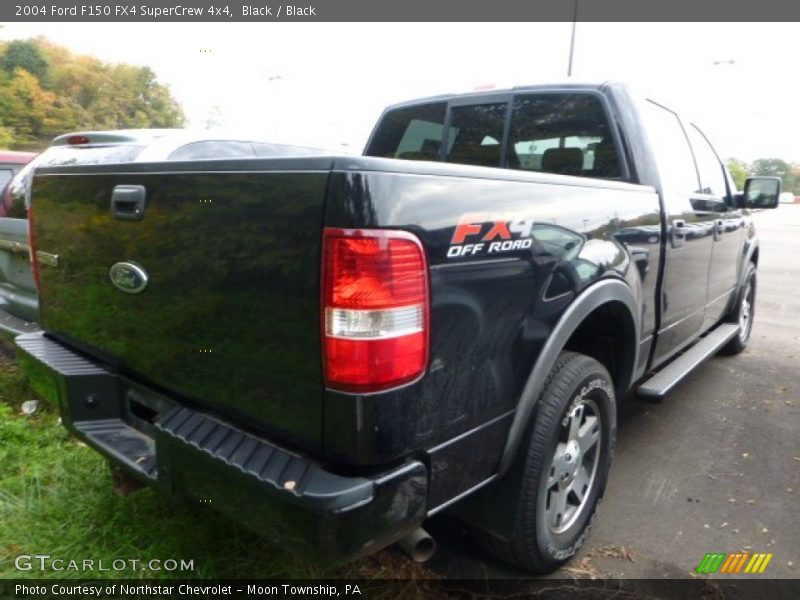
128,277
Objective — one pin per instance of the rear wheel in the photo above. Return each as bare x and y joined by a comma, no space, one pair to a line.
568,456
743,314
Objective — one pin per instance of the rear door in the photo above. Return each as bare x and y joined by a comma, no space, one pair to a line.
689,233
229,316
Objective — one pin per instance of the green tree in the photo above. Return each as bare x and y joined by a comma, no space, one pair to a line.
25,54
27,109
6,137
775,167
796,175
50,91
738,170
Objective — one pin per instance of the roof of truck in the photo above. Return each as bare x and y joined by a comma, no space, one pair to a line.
496,91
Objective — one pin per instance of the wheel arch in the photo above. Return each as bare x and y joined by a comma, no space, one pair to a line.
609,298
750,255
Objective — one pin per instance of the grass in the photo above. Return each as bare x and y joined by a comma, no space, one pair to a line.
56,499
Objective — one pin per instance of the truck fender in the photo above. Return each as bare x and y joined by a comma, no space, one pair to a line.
749,251
607,290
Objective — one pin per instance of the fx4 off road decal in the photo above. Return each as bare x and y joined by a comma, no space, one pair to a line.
479,234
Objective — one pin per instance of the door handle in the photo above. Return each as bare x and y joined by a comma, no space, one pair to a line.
128,202
678,233
719,228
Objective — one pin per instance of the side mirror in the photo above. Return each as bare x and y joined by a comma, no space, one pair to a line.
760,192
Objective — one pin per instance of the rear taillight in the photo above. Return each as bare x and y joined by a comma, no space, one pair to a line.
32,248
374,309
77,140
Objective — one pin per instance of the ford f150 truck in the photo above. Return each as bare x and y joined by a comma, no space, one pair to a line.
332,349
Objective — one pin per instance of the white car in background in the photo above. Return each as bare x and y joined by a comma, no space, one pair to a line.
786,198
148,145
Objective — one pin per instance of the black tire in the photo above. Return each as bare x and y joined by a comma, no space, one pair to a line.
743,313
538,543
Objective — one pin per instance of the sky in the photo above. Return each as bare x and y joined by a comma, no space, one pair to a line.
326,84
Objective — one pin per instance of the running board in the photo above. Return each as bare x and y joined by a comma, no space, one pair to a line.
655,388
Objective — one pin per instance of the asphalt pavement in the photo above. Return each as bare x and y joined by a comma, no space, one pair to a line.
714,468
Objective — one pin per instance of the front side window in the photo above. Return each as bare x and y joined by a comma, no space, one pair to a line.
567,133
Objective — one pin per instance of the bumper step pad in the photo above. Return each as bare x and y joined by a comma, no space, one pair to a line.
266,462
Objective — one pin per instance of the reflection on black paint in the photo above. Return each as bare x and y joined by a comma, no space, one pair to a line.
491,314
230,317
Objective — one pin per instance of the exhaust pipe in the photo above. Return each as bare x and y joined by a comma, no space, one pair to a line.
419,545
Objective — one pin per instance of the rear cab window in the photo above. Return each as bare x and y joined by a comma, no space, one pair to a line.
475,134
567,133
411,133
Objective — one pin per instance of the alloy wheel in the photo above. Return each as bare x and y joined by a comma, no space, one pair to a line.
574,466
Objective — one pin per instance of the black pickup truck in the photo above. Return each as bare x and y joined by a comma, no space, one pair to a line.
332,349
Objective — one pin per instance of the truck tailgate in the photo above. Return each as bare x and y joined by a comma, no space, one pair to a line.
229,317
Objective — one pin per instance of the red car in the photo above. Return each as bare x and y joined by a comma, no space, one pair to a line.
10,163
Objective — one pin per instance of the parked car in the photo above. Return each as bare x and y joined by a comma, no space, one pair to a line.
10,164
19,305
786,198
13,245
333,349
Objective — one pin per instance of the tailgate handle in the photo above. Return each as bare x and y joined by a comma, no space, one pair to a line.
128,202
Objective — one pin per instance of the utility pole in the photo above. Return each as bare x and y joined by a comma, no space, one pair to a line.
572,41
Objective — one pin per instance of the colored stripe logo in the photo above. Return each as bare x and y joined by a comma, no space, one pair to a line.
738,562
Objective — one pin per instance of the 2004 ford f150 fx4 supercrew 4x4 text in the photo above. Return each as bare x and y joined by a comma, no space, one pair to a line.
332,349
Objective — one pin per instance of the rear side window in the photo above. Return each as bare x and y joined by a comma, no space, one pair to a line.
712,177
476,133
677,170
413,133
213,149
566,133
